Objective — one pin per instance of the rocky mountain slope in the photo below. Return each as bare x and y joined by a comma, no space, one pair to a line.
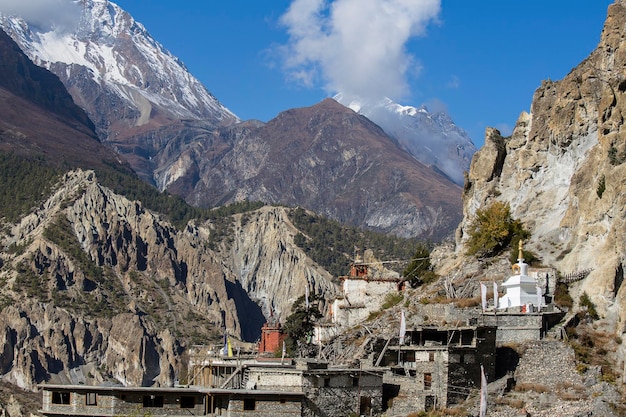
328,159
94,286
563,173
89,268
39,117
129,85
147,107
432,138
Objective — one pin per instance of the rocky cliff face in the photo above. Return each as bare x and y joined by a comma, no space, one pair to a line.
97,287
563,171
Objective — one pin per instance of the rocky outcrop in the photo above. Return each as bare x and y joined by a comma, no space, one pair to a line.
269,265
563,172
98,288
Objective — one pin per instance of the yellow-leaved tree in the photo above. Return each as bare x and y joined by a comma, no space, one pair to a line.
493,229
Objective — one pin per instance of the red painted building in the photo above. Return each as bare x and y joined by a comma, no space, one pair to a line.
271,338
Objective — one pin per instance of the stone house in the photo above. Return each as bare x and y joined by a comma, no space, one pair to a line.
83,400
231,386
363,291
435,367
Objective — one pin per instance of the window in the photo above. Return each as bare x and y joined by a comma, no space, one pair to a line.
91,398
187,401
153,401
429,403
355,382
60,397
431,356
249,404
428,380
327,382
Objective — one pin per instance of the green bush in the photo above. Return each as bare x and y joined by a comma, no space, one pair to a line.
562,298
492,230
419,272
586,302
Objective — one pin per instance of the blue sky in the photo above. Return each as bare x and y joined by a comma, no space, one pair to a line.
480,60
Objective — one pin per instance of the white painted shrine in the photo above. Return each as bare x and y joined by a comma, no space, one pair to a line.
521,289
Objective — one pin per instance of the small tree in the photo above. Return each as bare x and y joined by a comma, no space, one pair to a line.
418,272
493,229
299,325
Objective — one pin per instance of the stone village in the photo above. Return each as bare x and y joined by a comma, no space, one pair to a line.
418,367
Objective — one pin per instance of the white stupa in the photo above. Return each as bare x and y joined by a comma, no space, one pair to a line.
521,290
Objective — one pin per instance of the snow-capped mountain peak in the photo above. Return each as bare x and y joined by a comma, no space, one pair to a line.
432,138
124,64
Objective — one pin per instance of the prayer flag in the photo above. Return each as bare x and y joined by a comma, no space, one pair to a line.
483,295
483,393
402,327
225,347
495,295
284,352
306,297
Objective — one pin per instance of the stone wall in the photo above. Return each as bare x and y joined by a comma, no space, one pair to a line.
515,327
99,403
271,406
343,394
275,379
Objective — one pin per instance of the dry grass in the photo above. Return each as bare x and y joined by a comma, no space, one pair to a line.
511,402
594,348
539,388
568,396
467,302
454,412
570,386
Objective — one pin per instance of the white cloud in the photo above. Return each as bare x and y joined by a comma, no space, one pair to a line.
454,83
357,47
44,14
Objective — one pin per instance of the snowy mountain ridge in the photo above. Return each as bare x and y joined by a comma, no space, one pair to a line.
117,54
431,138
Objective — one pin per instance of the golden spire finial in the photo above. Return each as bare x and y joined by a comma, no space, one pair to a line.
520,254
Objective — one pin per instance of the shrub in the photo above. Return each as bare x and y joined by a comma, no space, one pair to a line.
615,157
492,230
419,271
601,187
392,299
586,302
562,298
